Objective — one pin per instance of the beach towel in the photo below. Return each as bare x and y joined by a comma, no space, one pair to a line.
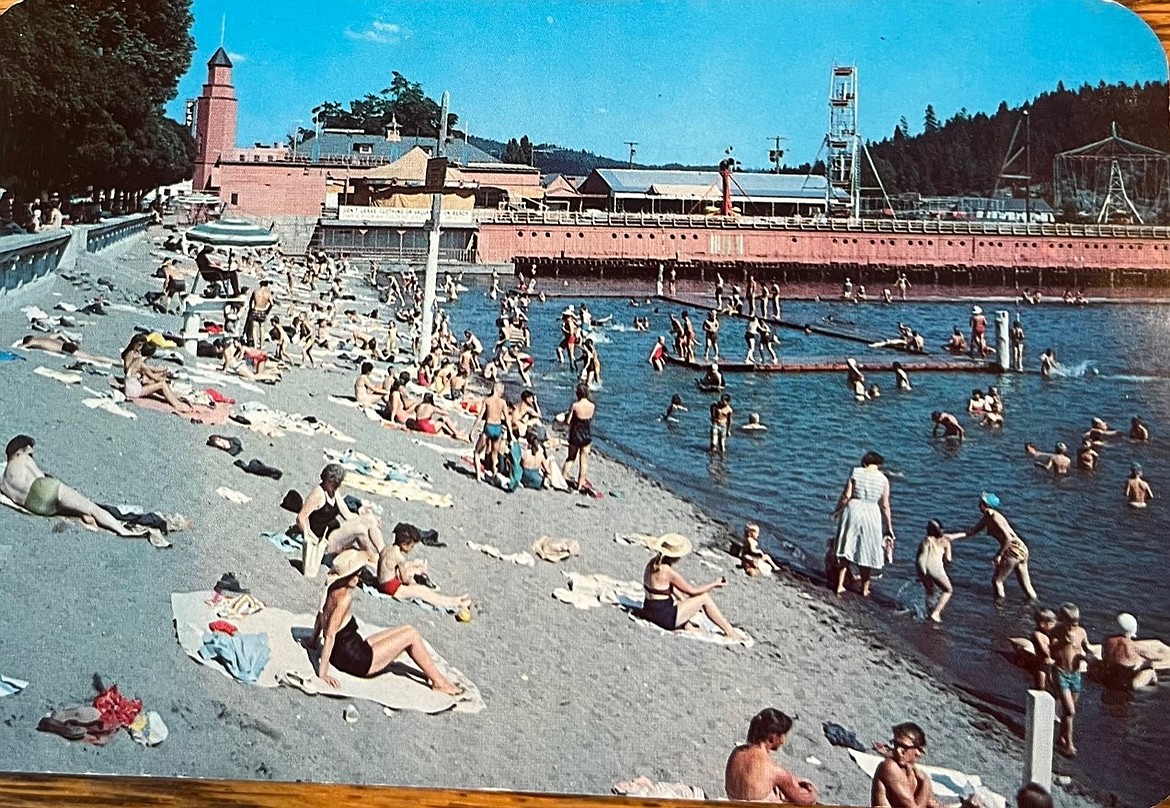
110,406
949,785
214,416
402,687
588,591
64,378
422,604
244,656
547,548
285,542
644,787
10,686
521,558
375,467
231,495
9,356
408,492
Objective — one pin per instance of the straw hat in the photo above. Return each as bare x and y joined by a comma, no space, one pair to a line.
671,545
346,563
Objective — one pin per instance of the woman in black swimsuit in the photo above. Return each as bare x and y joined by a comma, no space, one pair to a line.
666,609
335,633
580,423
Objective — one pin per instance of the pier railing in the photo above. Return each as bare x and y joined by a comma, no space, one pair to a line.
100,236
907,226
28,258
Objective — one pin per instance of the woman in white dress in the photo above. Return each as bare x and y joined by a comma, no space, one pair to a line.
863,504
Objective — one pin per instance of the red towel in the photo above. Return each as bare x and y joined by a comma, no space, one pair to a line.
218,397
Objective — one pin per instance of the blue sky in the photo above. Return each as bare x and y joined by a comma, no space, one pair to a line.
683,79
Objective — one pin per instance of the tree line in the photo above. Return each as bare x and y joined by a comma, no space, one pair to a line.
82,89
965,154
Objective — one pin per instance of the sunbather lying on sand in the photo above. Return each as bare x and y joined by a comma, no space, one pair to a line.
60,345
335,633
25,484
396,575
661,581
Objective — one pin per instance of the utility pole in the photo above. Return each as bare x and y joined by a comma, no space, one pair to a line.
1027,168
436,178
633,144
776,154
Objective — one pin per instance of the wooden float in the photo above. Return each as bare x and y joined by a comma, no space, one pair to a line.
816,364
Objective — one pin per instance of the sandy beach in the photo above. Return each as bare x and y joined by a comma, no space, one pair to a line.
576,700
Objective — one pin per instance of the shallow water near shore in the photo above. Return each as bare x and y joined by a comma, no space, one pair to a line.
1087,545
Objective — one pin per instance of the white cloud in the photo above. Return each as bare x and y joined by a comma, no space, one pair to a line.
237,58
384,33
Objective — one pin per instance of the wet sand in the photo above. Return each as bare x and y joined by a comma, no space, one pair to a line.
576,701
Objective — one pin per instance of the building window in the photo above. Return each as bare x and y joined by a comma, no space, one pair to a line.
235,199
363,148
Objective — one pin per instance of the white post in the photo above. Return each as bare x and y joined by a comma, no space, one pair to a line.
1003,350
1040,735
432,271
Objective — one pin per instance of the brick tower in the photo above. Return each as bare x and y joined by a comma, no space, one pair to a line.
215,119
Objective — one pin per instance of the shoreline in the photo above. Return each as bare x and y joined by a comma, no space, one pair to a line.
591,680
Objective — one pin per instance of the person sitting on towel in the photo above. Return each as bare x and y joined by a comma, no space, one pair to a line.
898,782
396,575
671,611
752,775
25,484
140,380
335,634
325,517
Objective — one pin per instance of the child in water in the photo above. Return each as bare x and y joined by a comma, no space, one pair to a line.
676,405
1042,647
1070,655
933,554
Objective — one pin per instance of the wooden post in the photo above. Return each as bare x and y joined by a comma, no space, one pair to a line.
1003,352
1041,717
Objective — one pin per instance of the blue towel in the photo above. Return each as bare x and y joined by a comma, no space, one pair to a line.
243,655
9,356
286,543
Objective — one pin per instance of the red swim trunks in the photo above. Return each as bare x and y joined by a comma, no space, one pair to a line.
390,587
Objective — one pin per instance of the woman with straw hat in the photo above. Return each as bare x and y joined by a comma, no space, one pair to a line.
335,633
671,601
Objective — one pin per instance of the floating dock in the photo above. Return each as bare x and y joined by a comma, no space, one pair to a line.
826,364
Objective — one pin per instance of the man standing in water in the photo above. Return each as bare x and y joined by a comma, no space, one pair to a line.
1137,490
1016,337
711,335
721,414
952,429
752,775
1013,553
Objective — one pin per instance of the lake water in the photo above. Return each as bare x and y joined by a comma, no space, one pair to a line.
1087,545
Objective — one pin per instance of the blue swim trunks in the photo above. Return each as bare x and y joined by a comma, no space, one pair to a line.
1072,681
493,431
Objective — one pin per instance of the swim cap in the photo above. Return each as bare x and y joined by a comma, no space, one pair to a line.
989,499
1128,624
1135,468
1061,448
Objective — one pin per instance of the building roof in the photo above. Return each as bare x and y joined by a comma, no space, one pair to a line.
219,59
409,169
701,184
348,144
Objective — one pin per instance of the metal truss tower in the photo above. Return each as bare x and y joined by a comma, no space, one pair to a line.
842,164
1117,202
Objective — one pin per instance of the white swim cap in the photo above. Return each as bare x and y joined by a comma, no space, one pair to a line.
1128,624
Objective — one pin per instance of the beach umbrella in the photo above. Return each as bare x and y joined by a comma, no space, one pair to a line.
232,232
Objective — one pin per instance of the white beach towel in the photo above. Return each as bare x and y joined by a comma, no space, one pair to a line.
522,558
949,784
401,688
231,495
64,378
10,686
110,406
589,591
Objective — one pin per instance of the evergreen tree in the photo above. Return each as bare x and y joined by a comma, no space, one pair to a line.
930,121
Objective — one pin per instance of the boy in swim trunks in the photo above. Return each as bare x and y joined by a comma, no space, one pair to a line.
721,414
493,411
1070,653
1042,647
25,484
